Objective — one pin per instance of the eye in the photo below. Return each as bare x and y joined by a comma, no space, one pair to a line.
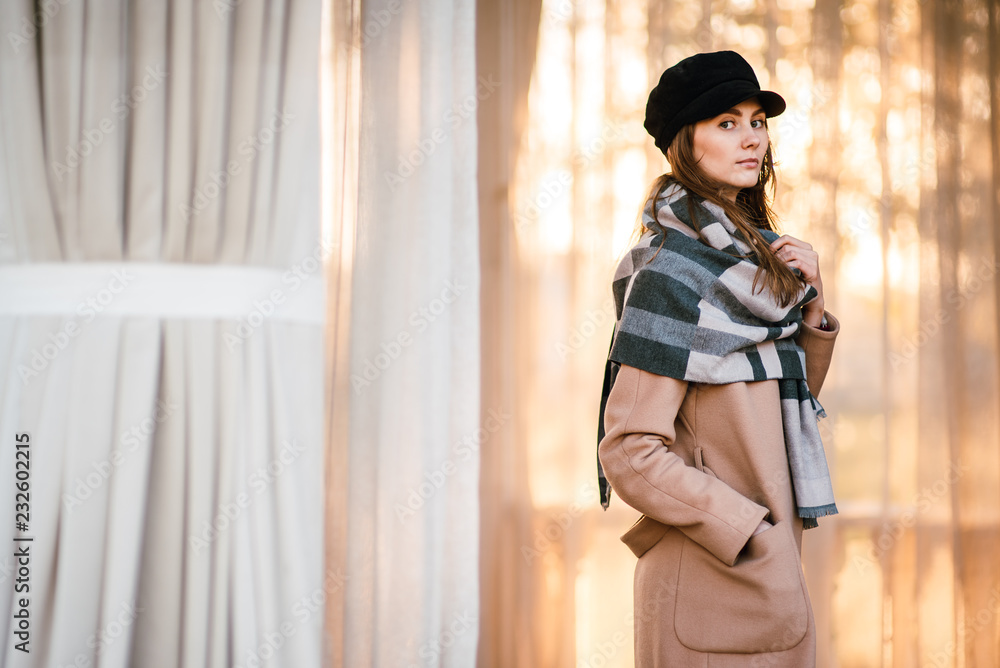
725,125
757,123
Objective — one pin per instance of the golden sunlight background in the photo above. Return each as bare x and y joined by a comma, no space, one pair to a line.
888,164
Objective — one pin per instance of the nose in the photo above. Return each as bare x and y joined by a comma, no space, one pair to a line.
750,138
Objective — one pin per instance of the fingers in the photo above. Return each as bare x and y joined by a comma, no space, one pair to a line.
786,240
800,255
796,257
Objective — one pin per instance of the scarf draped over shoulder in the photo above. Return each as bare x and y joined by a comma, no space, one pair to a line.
688,309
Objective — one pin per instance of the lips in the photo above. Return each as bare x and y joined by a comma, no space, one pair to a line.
749,163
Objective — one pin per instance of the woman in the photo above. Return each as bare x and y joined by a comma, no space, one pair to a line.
709,420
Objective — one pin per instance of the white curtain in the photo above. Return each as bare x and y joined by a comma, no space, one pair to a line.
162,331
406,453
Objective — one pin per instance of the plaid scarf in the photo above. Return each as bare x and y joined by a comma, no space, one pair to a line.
688,310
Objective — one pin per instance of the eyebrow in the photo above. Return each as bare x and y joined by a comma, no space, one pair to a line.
736,112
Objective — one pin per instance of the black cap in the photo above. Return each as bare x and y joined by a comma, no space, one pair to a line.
702,86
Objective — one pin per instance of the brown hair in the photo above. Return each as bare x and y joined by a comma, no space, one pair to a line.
750,213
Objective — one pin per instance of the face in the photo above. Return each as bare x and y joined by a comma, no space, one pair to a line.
730,147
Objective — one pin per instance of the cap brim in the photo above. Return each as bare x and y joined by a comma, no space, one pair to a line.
773,104
724,97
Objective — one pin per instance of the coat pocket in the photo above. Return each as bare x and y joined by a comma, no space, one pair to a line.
757,605
644,534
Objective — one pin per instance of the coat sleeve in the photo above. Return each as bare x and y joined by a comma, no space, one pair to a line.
638,462
818,345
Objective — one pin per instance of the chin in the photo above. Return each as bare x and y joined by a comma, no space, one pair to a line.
743,185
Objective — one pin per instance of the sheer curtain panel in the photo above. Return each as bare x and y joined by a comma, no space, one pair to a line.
409,513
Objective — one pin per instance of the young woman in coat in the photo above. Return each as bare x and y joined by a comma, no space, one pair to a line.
709,416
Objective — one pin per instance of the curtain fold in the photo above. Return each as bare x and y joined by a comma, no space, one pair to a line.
821,549
341,122
405,418
177,457
509,634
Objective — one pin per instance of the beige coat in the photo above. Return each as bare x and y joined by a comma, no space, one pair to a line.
704,464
